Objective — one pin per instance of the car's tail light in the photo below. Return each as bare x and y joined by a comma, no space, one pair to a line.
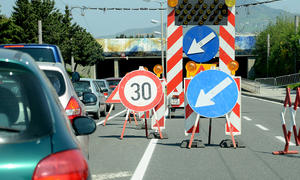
73,109
13,46
64,165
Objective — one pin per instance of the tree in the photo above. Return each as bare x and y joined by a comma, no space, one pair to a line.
10,32
57,29
86,50
284,44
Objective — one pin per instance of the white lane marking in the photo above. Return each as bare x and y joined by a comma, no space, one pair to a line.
99,123
143,164
112,175
263,100
247,118
282,139
262,127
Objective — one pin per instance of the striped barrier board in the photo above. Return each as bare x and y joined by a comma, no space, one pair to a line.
227,41
189,114
235,115
174,58
160,112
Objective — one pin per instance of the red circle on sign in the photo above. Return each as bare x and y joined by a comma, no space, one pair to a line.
132,106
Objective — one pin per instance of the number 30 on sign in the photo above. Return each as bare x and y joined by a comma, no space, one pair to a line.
140,90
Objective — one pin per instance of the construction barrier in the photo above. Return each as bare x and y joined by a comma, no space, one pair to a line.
288,133
174,59
189,114
236,114
160,110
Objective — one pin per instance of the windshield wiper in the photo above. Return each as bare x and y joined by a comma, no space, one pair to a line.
9,129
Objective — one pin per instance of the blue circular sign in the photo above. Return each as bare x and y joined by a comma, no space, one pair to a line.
212,93
201,44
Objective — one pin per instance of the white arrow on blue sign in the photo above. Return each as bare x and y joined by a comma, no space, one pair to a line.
201,43
212,93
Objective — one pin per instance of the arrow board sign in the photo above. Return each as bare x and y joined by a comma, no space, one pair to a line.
212,93
140,90
201,44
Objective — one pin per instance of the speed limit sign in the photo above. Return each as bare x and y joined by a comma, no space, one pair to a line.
140,90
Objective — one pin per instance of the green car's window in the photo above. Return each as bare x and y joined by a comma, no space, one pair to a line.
24,111
57,80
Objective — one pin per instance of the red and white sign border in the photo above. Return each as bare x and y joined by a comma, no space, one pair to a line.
129,105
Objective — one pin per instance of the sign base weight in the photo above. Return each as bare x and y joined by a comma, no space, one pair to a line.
197,143
227,143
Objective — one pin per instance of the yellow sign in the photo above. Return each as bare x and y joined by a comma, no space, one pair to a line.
200,68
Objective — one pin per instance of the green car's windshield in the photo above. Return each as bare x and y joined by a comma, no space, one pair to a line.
24,111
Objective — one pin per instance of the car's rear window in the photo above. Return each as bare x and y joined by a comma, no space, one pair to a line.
24,111
57,80
38,54
82,86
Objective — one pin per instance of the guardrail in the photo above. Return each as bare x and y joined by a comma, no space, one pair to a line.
280,80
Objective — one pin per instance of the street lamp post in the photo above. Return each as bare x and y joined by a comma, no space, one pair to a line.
162,33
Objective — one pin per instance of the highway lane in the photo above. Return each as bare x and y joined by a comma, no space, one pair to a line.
112,158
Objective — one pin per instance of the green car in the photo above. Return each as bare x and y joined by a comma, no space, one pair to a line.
37,140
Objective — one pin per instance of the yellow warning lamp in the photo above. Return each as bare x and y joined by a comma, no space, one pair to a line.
233,66
172,3
158,70
230,3
146,69
191,66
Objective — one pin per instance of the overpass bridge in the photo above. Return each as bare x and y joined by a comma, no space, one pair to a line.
125,55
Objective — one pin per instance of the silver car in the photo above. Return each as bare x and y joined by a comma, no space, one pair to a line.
103,84
89,85
68,98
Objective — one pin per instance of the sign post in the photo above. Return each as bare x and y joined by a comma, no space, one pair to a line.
140,91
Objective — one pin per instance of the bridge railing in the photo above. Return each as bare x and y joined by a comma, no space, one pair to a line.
280,80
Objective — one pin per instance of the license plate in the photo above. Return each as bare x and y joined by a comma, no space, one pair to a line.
175,101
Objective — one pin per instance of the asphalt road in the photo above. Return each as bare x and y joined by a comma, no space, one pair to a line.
136,157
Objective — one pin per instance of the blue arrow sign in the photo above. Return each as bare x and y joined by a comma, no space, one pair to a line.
200,44
212,93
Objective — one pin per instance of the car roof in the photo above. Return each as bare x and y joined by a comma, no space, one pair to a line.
113,78
87,79
50,64
27,45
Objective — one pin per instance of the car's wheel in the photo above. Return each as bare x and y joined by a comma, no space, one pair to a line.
97,114
103,113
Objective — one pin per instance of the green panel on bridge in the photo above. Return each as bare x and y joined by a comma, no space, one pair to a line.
201,12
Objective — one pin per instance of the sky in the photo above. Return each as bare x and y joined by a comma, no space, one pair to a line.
100,23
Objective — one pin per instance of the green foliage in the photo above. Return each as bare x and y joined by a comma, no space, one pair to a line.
294,86
10,32
284,45
86,50
57,29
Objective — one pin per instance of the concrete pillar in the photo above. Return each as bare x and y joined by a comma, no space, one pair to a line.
94,71
250,68
116,68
